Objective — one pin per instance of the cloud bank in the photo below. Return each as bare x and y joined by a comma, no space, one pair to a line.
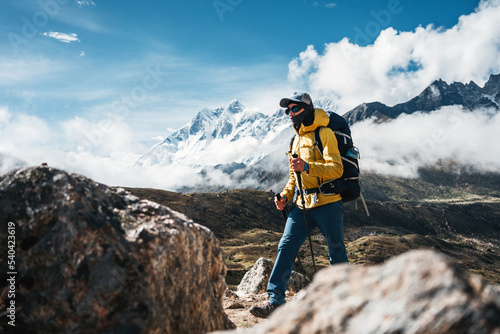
401,146
399,65
107,150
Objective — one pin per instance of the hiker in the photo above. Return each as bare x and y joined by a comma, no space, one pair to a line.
322,211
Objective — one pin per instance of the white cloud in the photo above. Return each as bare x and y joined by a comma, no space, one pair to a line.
24,137
331,5
399,65
83,3
62,37
4,115
101,138
399,147
221,151
82,53
104,150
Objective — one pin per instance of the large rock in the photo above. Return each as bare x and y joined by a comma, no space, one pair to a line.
93,259
417,292
255,280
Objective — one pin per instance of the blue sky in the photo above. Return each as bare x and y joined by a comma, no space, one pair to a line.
73,72
209,52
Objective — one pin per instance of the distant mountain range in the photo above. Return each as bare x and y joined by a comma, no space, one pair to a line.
438,94
248,147
223,127
257,142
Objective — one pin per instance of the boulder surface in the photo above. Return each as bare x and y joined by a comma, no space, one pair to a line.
255,280
94,259
417,292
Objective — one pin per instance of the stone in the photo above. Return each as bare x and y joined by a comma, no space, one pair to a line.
420,291
95,259
255,280
231,295
235,305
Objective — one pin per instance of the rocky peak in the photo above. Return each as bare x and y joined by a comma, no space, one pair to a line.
325,103
492,86
439,84
438,94
472,85
235,107
367,110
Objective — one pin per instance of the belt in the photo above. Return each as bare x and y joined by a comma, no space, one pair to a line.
326,188
311,191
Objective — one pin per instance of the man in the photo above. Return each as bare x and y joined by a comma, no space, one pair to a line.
323,211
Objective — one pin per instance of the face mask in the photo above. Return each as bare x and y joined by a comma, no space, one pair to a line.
306,117
298,119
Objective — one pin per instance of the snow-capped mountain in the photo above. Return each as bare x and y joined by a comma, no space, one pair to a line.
438,94
246,148
247,136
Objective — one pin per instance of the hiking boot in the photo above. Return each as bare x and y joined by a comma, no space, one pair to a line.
264,311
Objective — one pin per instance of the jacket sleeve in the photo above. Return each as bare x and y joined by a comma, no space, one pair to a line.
289,189
332,168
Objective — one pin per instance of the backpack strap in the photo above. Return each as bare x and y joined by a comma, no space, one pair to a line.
317,140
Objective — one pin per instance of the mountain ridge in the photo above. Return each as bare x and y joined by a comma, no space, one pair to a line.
233,123
438,94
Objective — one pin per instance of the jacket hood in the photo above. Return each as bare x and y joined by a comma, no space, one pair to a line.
320,119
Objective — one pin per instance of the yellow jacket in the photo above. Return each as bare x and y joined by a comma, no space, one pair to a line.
322,168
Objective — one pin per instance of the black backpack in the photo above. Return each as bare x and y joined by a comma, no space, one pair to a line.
347,185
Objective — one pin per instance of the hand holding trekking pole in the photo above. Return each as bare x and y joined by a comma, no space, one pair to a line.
280,202
298,165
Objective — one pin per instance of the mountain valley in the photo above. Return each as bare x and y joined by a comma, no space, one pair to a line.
455,213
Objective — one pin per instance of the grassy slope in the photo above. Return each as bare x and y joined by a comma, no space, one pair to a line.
457,215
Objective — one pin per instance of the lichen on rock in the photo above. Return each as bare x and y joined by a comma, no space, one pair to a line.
97,259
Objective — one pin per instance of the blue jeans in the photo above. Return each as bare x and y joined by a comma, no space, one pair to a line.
328,218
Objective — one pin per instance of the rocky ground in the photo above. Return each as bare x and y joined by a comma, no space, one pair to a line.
249,227
421,291
455,214
100,257
237,308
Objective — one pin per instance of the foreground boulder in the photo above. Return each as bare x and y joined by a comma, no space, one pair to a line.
255,280
417,292
92,259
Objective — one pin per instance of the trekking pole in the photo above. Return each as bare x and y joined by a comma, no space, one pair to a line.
285,215
299,180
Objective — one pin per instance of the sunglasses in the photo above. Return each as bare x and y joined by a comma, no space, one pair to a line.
294,109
